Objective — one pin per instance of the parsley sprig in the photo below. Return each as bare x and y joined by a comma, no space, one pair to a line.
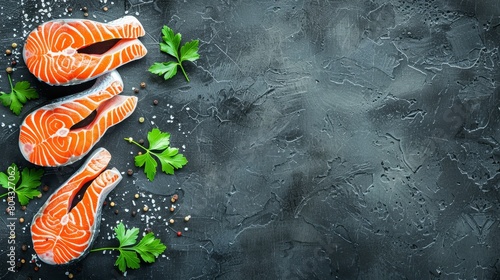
159,146
171,43
148,248
25,184
18,96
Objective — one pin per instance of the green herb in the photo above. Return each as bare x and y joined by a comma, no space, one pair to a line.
170,45
149,248
24,185
169,157
18,96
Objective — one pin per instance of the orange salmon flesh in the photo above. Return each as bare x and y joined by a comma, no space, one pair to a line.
51,51
62,234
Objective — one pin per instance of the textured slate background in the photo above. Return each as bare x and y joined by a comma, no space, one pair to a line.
325,139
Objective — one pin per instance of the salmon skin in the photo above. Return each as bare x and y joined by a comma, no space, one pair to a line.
51,50
62,233
47,135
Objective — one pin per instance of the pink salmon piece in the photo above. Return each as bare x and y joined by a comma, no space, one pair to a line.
51,50
47,136
62,234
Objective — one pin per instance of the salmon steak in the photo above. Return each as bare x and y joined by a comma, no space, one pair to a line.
63,131
53,51
64,228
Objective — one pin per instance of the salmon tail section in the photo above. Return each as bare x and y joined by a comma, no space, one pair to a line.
51,51
48,136
62,234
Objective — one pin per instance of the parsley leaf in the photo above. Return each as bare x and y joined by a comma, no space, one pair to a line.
126,237
148,248
159,146
25,184
171,43
19,95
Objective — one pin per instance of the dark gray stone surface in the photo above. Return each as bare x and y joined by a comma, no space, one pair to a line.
325,139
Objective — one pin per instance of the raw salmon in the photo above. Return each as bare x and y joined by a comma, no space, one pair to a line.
48,136
51,51
62,232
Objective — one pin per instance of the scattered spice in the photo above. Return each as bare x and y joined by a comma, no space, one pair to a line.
39,195
85,9
24,247
21,220
45,188
85,14
14,45
13,62
130,172
23,261
141,119
70,276
105,9
116,212
148,230
155,102
171,221
186,219
8,52
69,9
143,85
36,268
145,208
172,209
179,233
136,196
136,90
9,70
112,204
23,208
133,213
141,141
